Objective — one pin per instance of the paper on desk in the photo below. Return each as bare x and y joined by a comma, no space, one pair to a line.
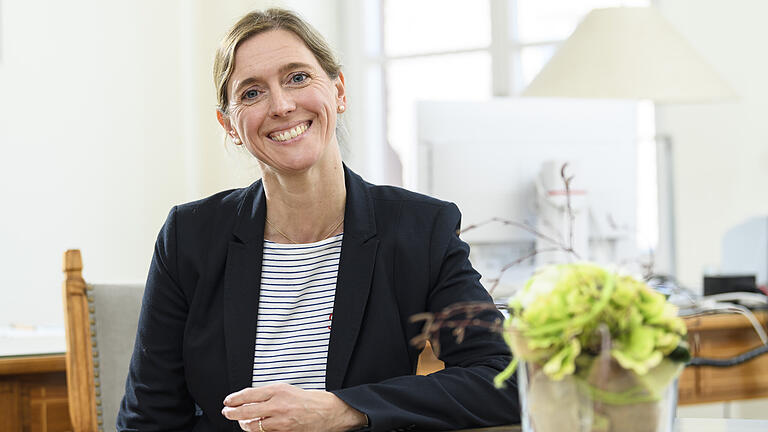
17,340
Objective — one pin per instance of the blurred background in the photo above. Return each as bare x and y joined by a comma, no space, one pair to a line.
107,120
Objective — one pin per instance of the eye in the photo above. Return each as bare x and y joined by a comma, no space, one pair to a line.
251,94
299,78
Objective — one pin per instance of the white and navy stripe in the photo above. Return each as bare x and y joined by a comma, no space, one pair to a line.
298,288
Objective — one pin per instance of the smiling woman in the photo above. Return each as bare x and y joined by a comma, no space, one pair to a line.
284,105
287,303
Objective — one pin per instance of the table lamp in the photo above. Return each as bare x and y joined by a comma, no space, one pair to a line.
633,53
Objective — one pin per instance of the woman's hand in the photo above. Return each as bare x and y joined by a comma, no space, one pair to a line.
283,407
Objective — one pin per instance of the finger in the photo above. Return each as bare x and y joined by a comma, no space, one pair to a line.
244,412
249,425
248,395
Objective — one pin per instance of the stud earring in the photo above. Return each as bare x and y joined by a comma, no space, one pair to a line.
341,108
236,140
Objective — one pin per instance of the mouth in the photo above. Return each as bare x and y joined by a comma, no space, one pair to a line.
290,133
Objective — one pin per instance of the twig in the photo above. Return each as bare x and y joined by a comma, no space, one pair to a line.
434,322
495,281
449,318
521,225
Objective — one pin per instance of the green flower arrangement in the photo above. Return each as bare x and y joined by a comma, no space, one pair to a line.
593,342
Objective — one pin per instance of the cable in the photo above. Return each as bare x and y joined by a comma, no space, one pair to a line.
709,305
733,361
722,306
744,298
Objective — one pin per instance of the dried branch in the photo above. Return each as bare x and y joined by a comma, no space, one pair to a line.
558,245
522,225
461,316
495,281
458,317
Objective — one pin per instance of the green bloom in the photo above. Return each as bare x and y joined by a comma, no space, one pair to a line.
563,363
636,350
567,311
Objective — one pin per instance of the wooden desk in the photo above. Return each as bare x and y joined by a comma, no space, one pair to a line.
724,336
33,394
681,425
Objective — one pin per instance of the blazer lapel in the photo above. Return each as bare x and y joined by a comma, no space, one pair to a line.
242,281
353,284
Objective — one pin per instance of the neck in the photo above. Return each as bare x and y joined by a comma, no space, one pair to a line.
305,207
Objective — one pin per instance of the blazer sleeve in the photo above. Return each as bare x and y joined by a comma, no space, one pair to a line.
462,395
156,395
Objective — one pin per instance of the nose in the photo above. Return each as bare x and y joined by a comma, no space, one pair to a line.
280,103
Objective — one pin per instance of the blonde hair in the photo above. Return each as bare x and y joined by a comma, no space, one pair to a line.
258,22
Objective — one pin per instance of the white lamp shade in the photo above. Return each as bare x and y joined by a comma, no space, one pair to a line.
629,53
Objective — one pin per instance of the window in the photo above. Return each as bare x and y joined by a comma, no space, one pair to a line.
433,50
466,49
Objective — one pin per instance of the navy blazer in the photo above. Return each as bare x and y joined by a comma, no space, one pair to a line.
401,255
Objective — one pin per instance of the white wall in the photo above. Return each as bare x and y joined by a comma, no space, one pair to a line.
90,136
720,150
106,121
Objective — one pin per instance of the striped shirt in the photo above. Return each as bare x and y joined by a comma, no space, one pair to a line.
298,288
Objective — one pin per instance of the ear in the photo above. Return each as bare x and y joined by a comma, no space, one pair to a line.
341,95
227,125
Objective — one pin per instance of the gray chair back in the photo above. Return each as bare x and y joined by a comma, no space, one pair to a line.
114,315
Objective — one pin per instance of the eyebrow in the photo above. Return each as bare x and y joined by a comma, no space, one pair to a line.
282,70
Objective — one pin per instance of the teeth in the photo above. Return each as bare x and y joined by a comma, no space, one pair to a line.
292,133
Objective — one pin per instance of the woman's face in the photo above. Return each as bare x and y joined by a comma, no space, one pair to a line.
282,103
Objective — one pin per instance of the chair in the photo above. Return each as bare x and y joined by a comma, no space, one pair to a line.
101,322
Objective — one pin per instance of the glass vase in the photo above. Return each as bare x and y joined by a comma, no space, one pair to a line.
602,397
